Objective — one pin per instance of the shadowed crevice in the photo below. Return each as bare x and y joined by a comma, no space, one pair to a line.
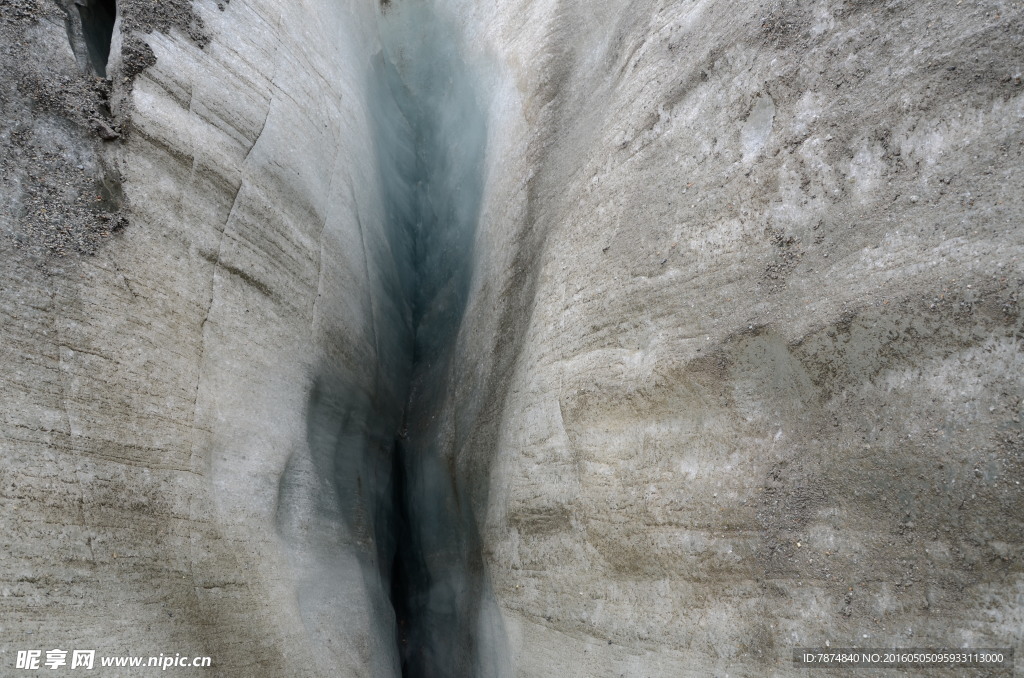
379,488
431,135
98,17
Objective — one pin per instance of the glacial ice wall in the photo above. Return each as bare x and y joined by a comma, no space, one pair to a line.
738,366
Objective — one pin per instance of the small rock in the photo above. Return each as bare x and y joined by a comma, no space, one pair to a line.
105,131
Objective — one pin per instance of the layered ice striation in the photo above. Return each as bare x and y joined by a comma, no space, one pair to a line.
378,460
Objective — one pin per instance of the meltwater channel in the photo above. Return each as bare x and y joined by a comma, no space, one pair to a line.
378,453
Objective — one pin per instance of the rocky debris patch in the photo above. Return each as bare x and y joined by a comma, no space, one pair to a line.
144,16
63,200
787,255
17,11
59,183
61,125
136,56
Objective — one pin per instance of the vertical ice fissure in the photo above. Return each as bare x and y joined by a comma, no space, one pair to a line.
374,508
430,136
